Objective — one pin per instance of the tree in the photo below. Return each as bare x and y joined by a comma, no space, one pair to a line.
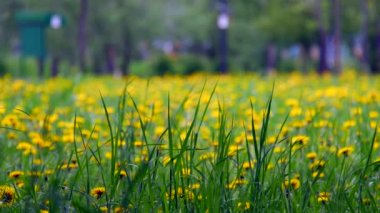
337,36
376,66
82,34
364,34
322,38
282,26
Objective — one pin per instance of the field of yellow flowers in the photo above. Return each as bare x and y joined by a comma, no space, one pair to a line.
233,143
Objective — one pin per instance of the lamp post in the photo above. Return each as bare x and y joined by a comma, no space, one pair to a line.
223,24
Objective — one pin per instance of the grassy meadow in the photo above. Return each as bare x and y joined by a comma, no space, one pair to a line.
233,143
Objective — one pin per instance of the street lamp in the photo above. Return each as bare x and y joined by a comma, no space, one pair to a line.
223,23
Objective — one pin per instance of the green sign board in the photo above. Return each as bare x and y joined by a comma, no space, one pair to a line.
33,41
32,31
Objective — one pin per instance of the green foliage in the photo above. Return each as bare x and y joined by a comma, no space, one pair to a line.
182,64
287,24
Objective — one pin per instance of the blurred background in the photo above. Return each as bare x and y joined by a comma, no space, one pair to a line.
155,37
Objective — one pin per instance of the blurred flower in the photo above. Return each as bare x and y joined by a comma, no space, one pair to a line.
318,174
244,205
299,141
345,151
293,183
311,155
235,183
15,174
317,164
7,196
323,197
27,148
97,192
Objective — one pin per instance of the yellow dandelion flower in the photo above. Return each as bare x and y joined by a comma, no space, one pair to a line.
323,197
295,111
373,114
121,143
300,140
27,148
7,196
12,135
103,209
278,149
20,183
15,174
118,209
108,155
195,186
291,102
311,156
159,130
122,174
293,183
282,160
271,140
248,165
349,124
318,175
138,144
97,192
356,111
235,183
317,164
215,144
37,162
345,151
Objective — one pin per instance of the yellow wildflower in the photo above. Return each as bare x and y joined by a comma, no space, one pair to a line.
15,174
293,183
323,197
7,196
97,192
311,155
345,151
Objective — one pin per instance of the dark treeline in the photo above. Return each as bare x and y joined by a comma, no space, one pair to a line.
156,36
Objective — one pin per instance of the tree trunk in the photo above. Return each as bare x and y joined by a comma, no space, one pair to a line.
110,56
336,35
82,36
377,46
55,66
322,39
364,35
270,58
374,47
127,52
377,41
